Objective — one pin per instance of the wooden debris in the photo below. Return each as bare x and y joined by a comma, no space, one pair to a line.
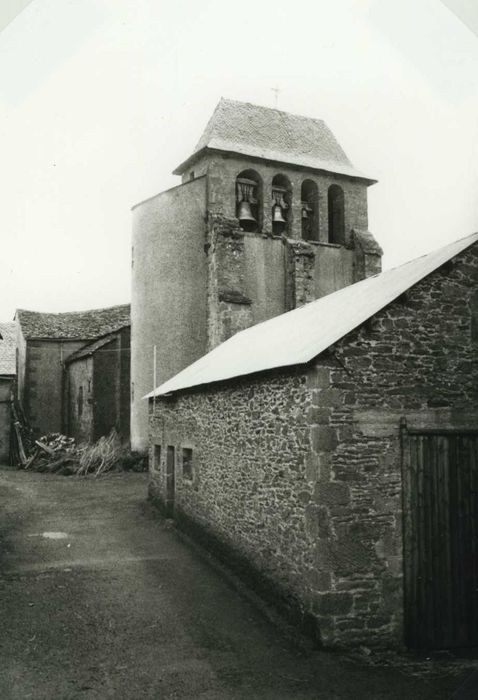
45,448
59,454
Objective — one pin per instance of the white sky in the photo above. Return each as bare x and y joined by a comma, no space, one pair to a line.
101,99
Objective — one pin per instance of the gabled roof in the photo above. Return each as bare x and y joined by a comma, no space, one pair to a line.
298,336
76,325
262,132
8,344
91,348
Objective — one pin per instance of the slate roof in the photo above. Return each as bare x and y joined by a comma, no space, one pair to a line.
8,344
75,325
91,348
298,336
252,130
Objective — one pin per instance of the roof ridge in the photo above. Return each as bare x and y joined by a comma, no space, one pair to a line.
84,311
272,109
423,255
303,333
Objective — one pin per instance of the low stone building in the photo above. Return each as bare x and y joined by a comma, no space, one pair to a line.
45,341
332,454
7,383
97,388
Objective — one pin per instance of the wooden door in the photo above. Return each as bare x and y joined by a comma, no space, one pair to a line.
440,478
170,480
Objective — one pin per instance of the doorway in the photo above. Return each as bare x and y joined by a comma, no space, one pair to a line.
170,480
440,490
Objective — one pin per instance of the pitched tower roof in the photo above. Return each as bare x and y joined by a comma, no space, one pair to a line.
262,132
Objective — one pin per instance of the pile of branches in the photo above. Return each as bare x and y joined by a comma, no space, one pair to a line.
58,454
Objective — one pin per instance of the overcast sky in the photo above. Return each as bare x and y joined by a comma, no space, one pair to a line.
101,99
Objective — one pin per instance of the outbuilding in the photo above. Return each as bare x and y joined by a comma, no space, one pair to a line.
331,453
97,387
45,341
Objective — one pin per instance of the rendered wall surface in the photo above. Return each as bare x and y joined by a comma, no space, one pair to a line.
265,276
169,292
297,473
333,269
21,363
125,383
80,399
103,379
6,387
44,383
106,389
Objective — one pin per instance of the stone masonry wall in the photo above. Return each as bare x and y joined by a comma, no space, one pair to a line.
228,308
250,442
222,172
416,361
298,472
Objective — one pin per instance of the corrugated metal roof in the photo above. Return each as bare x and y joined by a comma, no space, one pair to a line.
300,335
8,344
262,132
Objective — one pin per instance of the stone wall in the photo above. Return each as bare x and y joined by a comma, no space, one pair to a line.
250,442
244,289
415,361
223,169
229,309
297,473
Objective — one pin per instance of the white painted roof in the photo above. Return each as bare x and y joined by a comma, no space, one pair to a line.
300,335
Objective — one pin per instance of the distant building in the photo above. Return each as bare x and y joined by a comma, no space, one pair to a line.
7,383
270,214
332,453
45,342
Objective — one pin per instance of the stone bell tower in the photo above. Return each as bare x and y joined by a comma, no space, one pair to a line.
270,214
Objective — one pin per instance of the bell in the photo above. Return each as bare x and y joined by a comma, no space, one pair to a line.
277,215
306,210
245,213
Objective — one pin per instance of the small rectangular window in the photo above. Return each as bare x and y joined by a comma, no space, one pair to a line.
157,458
187,463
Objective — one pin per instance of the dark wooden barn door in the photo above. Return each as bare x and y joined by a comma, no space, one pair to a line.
441,538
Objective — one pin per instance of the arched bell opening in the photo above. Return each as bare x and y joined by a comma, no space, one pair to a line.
249,200
336,212
309,199
281,204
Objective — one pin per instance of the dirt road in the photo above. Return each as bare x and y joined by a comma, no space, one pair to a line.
99,598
